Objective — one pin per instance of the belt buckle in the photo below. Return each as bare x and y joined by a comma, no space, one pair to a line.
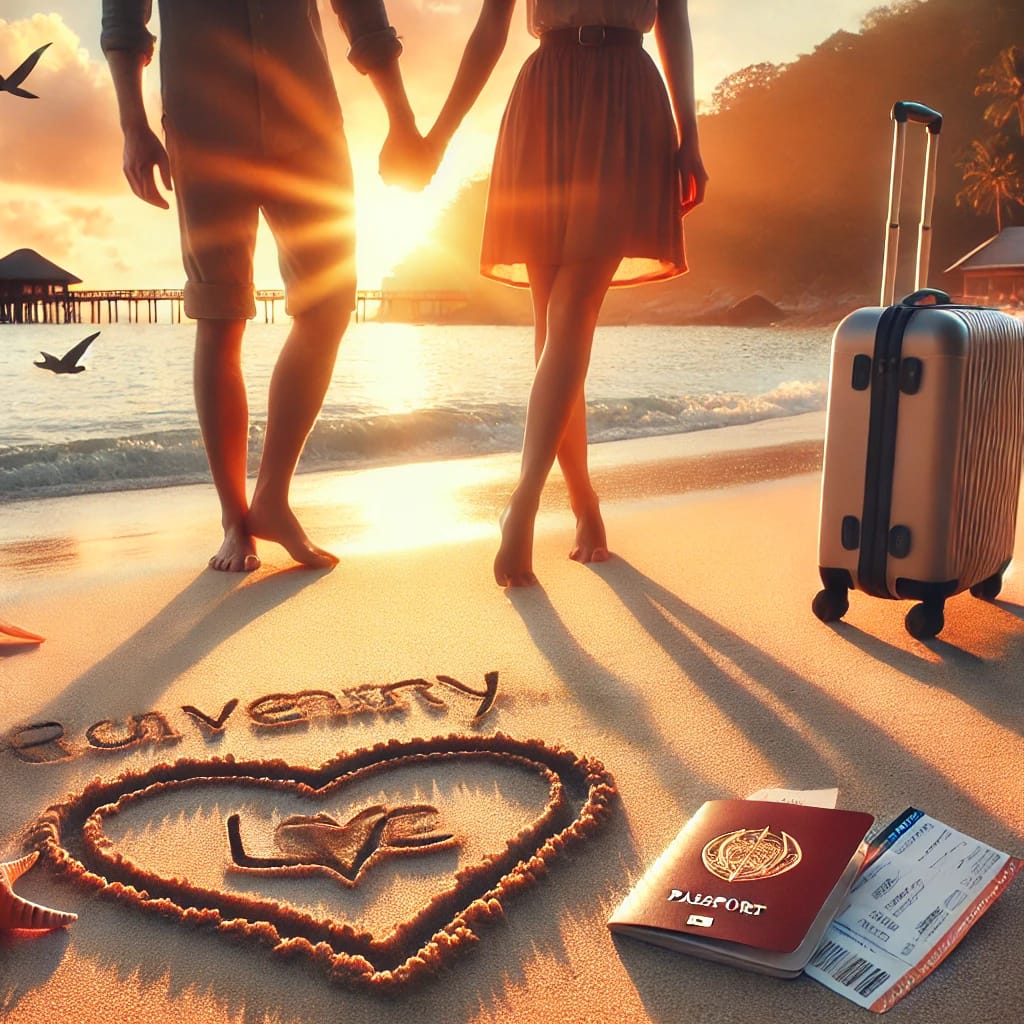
591,35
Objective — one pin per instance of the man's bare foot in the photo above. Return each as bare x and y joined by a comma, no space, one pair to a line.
591,541
281,526
513,564
237,553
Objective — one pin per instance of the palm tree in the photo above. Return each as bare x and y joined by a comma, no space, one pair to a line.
991,179
1004,82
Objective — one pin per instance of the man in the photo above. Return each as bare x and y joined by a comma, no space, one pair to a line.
252,123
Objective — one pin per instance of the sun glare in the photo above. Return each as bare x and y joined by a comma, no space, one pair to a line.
375,504
390,224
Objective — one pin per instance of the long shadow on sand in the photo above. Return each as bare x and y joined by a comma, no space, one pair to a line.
812,739
28,960
807,735
984,683
131,678
616,705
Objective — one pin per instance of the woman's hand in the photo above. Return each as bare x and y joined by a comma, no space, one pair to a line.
693,178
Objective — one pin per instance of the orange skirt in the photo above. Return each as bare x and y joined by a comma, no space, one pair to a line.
584,168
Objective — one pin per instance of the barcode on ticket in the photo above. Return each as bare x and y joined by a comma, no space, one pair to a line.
849,969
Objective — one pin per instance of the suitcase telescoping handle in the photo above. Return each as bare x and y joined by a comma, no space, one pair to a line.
902,113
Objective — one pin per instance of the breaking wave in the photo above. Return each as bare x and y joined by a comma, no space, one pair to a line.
171,457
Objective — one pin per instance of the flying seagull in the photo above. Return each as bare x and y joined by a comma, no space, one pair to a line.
68,363
12,82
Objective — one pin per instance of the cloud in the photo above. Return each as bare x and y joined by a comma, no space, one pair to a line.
68,137
51,220
37,224
97,241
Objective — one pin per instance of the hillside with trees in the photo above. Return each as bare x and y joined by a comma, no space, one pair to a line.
799,158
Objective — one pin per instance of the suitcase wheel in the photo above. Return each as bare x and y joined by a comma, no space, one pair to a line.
830,604
988,590
925,621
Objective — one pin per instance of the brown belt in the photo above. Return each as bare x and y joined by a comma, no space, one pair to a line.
592,35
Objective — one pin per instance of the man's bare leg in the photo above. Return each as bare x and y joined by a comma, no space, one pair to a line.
577,291
223,413
591,544
297,389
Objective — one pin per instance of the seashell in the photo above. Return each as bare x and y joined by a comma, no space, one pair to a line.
16,912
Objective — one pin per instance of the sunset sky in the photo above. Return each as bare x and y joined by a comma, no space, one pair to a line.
63,194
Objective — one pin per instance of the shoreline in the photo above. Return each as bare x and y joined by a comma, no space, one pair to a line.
360,510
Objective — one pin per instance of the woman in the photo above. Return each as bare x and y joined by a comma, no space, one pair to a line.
595,165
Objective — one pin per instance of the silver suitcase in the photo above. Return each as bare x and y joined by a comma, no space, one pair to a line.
924,436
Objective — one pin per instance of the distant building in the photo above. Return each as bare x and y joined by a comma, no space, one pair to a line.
993,274
31,286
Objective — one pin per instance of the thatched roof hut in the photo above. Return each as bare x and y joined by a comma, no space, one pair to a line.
27,280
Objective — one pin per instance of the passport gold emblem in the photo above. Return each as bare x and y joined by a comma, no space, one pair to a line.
750,854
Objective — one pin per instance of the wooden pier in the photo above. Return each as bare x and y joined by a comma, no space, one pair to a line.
165,305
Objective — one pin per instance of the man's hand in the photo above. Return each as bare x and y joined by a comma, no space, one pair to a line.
407,159
144,154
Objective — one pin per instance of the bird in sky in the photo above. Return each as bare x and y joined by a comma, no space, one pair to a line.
12,83
68,363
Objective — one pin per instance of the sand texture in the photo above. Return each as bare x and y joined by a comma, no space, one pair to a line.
462,782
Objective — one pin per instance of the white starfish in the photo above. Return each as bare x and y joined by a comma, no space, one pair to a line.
16,912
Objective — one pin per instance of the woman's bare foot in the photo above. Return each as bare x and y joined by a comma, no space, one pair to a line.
237,553
281,526
591,541
513,564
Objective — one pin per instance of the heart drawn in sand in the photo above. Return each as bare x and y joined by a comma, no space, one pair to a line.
379,865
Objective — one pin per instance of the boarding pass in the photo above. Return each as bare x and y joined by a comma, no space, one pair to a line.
922,889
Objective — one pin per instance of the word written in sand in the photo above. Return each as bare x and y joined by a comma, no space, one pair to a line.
575,798
48,742
345,849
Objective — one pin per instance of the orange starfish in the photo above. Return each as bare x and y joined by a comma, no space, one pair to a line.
17,912
19,635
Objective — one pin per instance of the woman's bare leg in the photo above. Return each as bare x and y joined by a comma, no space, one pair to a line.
223,413
591,544
297,389
576,293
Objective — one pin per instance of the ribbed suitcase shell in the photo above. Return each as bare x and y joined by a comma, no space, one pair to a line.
956,464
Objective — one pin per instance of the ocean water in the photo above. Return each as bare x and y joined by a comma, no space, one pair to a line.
400,393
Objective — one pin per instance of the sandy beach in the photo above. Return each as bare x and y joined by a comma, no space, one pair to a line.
689,667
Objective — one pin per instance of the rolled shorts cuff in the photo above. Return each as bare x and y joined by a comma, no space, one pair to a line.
205,301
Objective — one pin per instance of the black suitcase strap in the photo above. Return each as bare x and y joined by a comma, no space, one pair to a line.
881,450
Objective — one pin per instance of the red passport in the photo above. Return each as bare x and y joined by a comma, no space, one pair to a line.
749,882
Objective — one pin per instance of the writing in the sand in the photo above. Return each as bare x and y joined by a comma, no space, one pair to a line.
50,741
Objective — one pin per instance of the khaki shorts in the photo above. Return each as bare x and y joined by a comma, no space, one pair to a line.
306,198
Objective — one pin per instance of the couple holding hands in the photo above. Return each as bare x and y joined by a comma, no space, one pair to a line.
596,162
